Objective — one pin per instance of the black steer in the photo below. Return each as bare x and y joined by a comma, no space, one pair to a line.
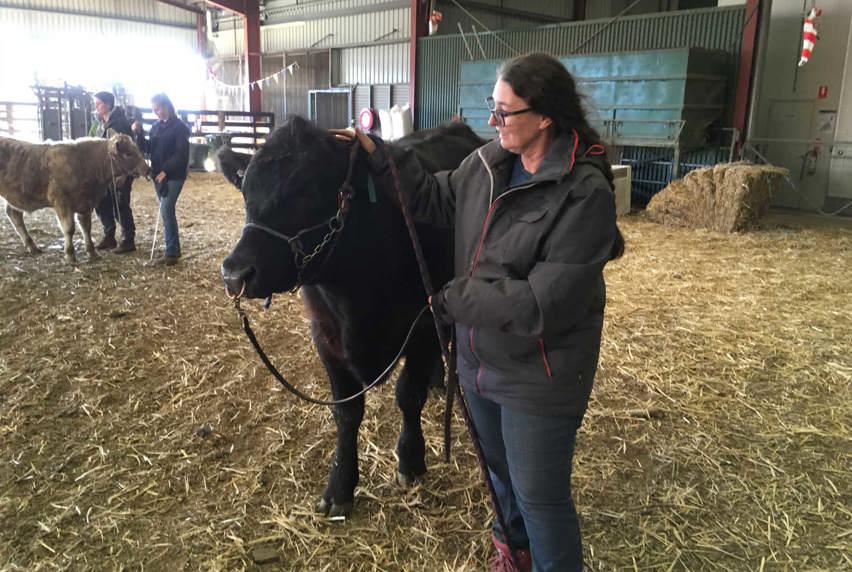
362,290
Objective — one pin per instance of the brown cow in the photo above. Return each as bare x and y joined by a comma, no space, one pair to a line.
70,176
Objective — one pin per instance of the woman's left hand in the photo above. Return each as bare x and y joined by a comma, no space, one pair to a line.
349,135
160,178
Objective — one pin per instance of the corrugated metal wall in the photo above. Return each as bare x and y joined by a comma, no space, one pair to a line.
372,45
140,10
386,63
438,57
342,31
346,29
453,16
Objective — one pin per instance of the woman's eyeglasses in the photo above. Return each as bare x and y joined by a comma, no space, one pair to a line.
500,116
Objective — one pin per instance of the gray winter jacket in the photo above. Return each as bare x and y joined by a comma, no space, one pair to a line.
528,294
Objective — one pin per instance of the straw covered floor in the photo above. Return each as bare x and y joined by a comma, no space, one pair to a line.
138,430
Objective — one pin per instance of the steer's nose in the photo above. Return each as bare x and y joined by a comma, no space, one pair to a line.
235,275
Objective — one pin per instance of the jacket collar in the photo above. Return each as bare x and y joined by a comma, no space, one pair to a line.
557,164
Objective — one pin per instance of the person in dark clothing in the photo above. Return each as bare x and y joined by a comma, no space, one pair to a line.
533,213
116,200
168,147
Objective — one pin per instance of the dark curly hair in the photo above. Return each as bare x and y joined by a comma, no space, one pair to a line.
549,89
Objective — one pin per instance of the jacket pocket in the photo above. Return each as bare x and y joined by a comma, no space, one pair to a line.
519,242
532,216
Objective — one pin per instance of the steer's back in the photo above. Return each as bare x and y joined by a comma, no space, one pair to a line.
74,167
23,174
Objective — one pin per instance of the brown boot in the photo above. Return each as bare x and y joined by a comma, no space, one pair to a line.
107,243
125,247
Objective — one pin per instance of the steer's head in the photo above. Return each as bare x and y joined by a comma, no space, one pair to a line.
126,157
290,185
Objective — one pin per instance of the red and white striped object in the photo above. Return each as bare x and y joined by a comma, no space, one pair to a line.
809,35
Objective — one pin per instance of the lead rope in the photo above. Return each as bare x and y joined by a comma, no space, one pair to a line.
453,389
293,389
115,209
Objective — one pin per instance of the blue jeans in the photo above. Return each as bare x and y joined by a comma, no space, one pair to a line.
168,193
117,204
530,458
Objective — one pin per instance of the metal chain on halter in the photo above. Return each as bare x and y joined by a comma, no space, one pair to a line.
301,259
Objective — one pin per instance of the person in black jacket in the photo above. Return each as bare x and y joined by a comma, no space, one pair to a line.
168,147
533,213
116,200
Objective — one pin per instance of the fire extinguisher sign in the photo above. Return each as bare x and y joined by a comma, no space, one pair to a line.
822,92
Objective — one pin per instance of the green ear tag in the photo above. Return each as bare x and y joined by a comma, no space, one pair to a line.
371,189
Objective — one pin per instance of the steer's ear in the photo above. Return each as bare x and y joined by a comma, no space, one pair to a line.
233,165
112,144
124,144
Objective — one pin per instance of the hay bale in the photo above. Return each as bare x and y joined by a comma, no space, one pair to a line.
730,197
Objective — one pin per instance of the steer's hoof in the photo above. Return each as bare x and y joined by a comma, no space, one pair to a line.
330,508
409,480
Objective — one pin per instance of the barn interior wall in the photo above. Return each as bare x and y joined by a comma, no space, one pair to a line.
364,42
500,15
149,11
99,24
439,57
793,111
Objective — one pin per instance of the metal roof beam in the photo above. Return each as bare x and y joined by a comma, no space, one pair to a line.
515,13
182,5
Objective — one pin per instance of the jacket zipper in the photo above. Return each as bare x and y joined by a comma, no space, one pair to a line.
475,261
547,371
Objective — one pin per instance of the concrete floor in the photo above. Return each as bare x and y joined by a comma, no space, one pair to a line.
799,219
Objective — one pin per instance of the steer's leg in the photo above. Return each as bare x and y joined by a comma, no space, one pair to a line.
411,391
85,220
339,496
16,217
66,220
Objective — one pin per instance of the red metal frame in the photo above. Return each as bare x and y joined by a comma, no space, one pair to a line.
250,11
748,50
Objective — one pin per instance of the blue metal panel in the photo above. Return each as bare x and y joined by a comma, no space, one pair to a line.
439,57
656,97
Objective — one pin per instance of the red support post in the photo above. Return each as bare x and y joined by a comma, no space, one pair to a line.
748,50
200,32
253,54
250,11
579,12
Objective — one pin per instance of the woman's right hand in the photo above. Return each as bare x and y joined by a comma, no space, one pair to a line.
350,134
137,126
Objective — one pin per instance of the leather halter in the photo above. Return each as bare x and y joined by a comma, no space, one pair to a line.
334,224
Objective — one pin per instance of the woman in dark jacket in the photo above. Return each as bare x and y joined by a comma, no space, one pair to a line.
168,147
116,202
533,213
